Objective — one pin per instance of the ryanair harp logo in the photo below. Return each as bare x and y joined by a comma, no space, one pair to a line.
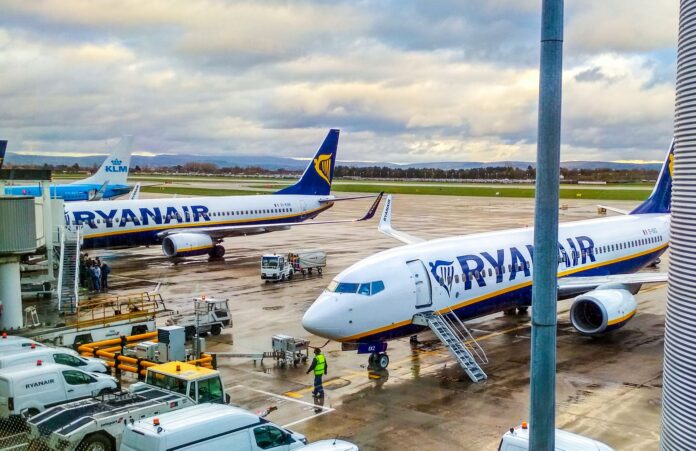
322,164
443,272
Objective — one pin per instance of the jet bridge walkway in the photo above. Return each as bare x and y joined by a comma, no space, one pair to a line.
458,340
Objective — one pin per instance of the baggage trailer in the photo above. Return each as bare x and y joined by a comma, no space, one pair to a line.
208,316
98,423
275,267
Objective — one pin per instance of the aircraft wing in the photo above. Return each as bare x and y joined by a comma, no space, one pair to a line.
615,210
386,228
254,229
568,286
338,199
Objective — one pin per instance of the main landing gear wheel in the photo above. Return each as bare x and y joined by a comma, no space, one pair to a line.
380,361
217,252
522,310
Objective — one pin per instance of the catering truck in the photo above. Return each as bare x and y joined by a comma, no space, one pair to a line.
279,267
98,423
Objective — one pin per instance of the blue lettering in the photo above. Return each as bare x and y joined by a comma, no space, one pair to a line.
464,262
186,214
85,217
199,211
586,246
573,251
126,215
563,255
155,214
172,213
498,263
108,219
518,262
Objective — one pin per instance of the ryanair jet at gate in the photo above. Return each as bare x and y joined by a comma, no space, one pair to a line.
109,181
400,292
197,225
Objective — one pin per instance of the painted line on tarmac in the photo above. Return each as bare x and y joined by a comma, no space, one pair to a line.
287,398
308,418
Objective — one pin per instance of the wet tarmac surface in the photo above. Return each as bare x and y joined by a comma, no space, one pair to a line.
608,388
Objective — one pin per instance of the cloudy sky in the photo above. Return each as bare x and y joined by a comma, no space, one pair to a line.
405,81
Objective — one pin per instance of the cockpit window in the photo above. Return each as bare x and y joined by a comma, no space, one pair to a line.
343,287
364,289
377,286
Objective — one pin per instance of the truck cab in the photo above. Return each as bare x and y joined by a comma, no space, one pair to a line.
199,384
276,267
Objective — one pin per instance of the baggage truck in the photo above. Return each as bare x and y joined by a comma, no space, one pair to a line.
275,267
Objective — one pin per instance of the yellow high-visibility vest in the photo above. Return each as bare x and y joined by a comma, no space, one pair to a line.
321,365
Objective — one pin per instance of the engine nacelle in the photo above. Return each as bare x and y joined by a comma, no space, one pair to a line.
186,244
602,310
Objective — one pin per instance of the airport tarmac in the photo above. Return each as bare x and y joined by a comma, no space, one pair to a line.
608,388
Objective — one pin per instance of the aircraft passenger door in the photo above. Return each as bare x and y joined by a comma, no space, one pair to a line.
421,281
303,206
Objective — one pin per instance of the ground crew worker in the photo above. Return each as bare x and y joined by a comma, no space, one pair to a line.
320,369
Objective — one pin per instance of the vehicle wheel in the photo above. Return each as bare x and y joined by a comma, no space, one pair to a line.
282,277
372,360
383,361
97,442
290,274
522,310
304,272
216,329
319,270
310,270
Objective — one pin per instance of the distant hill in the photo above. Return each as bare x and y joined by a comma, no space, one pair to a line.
273,163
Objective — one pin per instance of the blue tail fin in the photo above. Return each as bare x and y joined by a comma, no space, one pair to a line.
316,179
3,148
660,201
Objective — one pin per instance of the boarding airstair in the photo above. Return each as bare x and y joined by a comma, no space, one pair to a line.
69,269
459,341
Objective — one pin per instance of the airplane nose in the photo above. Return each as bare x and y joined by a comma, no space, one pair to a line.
320,318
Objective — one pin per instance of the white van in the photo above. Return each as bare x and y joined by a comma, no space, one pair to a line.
517,439
8,342
209,426
29,390
52,355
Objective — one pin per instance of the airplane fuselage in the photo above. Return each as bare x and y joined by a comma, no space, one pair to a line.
474,275
69,192
125,223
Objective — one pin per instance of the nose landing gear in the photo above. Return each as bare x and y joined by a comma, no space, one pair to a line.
378,360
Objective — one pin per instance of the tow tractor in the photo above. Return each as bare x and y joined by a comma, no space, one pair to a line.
208,316
98,423
276,267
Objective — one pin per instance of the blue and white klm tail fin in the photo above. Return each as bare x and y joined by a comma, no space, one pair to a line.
3,148
114,170
316,179
660,201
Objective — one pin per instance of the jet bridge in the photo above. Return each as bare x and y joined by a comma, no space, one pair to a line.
458,340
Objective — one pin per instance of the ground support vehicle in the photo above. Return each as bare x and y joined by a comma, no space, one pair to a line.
98,423
209,316
289,350
28,390
277,268
209,427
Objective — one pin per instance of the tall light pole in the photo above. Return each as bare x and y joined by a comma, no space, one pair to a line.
545,287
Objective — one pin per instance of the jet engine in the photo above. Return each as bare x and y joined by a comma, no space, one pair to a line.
187,244
602,310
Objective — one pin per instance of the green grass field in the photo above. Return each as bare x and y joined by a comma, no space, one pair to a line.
473,191
191,191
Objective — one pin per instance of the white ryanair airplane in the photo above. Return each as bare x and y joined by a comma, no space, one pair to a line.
384,296
197,225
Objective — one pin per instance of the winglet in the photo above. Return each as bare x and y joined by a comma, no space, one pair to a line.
135,192
373,208
385,226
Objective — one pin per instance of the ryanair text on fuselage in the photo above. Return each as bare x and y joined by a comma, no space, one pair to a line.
120,217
